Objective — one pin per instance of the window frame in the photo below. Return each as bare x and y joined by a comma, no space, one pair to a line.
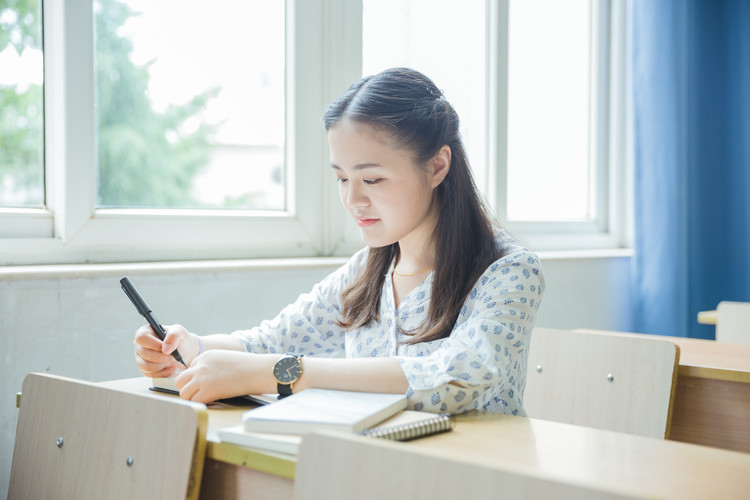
321,64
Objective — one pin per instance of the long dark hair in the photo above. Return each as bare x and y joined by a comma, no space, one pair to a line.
412,110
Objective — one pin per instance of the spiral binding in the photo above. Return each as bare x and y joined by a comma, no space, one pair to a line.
439,423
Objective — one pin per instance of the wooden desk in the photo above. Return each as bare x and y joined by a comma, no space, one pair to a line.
707,317
560,452
489,454
712,401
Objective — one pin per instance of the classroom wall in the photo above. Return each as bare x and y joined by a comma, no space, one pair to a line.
81,325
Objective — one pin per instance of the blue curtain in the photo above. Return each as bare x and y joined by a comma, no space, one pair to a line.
691,138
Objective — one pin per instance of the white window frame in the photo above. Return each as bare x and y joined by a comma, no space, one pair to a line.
324,56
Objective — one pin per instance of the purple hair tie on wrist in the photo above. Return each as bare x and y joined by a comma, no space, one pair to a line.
201,349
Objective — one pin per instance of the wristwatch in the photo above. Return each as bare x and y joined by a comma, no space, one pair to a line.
287,371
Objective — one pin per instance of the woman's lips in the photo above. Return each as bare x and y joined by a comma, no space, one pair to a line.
362,222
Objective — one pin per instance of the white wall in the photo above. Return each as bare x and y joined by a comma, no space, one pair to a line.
80,324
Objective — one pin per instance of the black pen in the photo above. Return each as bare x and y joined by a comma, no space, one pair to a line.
145,311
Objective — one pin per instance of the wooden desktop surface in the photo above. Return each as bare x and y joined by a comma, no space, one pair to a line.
556,451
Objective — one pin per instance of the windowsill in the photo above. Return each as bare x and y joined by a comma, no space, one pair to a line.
59,271
604,253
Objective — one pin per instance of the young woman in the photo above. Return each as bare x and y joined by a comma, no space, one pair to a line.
439,305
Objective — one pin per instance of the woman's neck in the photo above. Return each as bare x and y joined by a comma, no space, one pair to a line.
412,260
417,249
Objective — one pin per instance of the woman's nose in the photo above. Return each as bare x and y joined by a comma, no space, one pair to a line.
356,196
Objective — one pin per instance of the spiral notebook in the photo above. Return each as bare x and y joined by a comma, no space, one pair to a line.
409,425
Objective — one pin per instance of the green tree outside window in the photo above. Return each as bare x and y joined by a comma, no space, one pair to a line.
145,158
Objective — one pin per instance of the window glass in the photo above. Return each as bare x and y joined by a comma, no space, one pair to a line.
190,103
548,111
21,105
443,39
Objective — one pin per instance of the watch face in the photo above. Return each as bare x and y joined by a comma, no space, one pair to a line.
287,369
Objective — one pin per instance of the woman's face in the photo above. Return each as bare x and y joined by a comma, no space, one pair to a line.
388,195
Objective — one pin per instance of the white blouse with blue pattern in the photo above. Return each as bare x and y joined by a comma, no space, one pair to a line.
481,365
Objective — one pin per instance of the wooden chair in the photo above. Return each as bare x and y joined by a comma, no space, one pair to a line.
602,380
336,466
733,322
75,439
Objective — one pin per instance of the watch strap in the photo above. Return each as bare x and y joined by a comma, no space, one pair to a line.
284,389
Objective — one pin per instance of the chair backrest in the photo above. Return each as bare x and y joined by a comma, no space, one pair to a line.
733,322
75,439
602,380
336,466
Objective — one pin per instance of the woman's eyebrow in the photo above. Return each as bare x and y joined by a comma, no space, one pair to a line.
359,166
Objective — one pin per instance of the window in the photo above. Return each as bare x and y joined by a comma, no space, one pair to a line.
94,210
198,135
548,111
21,107
187,120
557,130
544,152
439,38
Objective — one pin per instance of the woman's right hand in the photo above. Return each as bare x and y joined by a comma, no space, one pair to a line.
154,357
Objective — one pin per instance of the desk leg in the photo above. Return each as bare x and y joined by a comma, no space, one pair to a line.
712,413
223,480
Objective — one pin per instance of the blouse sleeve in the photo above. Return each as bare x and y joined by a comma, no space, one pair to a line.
307,326
482,364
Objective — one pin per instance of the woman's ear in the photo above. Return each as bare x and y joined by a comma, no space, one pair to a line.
440,165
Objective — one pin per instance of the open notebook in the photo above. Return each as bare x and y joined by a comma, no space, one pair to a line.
167,385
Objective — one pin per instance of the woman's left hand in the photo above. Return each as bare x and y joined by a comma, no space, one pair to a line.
219,374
